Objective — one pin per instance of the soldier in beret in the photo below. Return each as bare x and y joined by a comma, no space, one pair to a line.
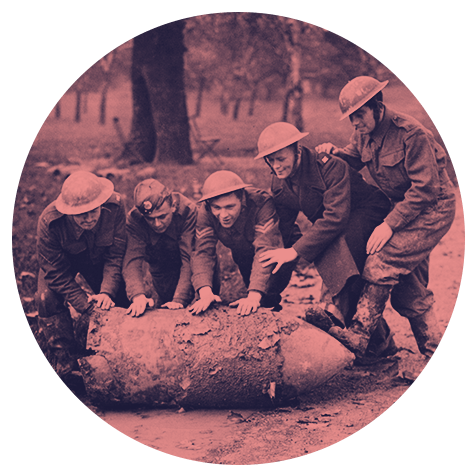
161,232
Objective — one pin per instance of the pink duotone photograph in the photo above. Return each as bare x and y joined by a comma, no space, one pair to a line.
238,240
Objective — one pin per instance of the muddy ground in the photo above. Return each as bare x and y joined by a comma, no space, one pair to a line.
333,412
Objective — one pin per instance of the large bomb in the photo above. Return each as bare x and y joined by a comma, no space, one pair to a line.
215,360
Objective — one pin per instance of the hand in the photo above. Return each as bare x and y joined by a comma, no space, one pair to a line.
326,148
172,305
102,301
380,236
206,299
278,256
249,304
139,304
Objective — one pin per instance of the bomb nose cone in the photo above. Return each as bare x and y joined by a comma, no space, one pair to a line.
214,360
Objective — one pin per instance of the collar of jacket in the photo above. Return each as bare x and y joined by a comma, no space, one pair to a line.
308,173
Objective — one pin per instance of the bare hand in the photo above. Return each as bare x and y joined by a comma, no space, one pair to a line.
139,304
249,304
380,236
172,305
278,257
326,148
206,299
102,301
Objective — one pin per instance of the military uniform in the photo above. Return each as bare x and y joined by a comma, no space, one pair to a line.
168,254
409,166
344,210
256,230
64,250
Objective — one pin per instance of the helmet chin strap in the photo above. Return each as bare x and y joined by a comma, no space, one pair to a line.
270,166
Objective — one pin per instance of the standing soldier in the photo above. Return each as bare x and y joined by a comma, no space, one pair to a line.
244,219
343,210
83,231
160,231
408,165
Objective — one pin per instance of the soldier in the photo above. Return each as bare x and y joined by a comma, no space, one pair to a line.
83,231
244,219
161,232
409,166
343,210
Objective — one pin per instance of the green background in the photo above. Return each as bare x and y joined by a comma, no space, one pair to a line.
46,46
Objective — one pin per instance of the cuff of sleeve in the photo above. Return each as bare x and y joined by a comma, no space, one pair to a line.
395,221
202,280
299,248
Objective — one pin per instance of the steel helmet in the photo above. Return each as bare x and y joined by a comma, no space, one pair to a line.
276,137
82,192
357,93
150,195
221,182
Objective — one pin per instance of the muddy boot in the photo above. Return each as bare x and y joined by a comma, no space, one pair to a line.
426,331
61,345
368,313
381,343
321,318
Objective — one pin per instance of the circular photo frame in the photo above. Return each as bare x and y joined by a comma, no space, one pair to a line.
110,122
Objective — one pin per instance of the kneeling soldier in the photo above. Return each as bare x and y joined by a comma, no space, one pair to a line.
244,219
83,231
160,231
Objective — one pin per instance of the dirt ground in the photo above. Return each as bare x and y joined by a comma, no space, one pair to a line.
341,407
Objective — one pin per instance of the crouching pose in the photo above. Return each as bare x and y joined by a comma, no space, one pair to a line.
408,165
83,231
161,232
244,219
343,210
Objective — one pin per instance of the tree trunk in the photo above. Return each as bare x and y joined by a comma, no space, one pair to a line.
252,101
77,117
236,108
199,97
103,104
160,129
293,108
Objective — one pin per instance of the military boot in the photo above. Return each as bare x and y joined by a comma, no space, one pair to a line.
426,331
368,313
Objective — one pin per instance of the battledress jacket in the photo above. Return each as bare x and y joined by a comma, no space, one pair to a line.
164,252
405,161
64,249
256,230
326,190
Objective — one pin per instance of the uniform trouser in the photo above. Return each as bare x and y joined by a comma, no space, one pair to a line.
276,284
404,261
363,219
